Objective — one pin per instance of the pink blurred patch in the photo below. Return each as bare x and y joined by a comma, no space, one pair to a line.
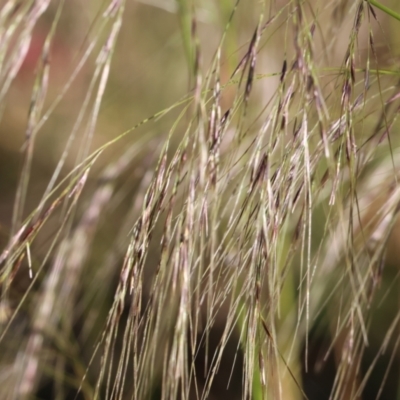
59,57
32,57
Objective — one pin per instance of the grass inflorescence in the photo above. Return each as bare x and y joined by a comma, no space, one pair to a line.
241,241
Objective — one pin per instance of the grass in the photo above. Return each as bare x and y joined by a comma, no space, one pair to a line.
241,241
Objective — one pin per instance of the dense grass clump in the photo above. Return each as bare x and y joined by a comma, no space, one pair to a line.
199,199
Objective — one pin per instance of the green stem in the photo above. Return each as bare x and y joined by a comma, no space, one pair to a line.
385,9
